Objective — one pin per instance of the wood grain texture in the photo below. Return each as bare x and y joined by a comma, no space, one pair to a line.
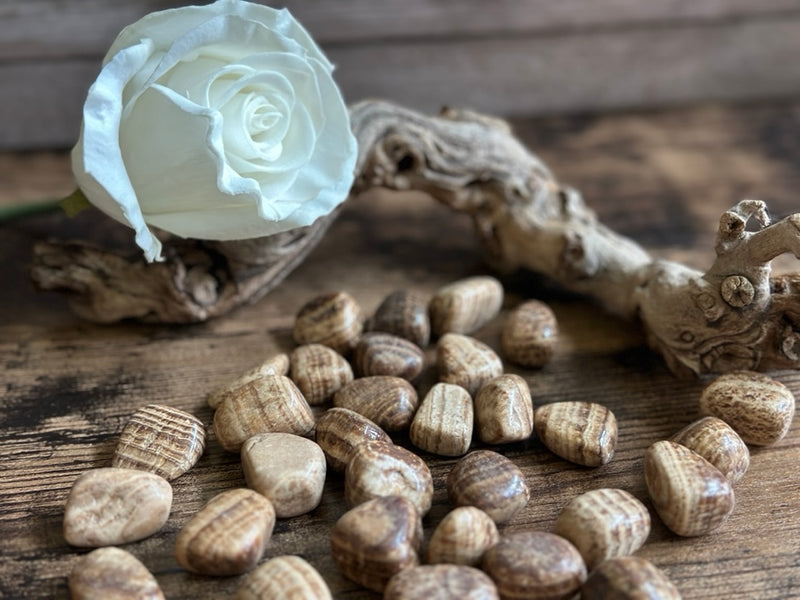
68,387
517,57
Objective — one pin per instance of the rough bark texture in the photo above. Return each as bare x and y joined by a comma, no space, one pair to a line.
731,317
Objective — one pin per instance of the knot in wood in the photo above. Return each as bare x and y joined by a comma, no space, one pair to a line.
737,291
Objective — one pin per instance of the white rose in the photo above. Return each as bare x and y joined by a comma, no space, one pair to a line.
215,122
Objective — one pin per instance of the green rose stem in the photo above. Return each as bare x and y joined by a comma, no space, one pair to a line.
734,316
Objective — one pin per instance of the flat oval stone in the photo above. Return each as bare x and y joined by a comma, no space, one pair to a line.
377,539
489,481
718,443
228,535
604,523
160,439
112,506
380,469
691,496
319,372
112,573
535,564
628,578
405,314
340,430
284,577
581,432
387,354
465,361
288,469
440,582
390,402
270,404
759,408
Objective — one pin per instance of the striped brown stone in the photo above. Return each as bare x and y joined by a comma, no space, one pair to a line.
112,573
581,432
162,440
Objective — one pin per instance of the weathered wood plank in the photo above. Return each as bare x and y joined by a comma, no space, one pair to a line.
574,72
32,29
68,387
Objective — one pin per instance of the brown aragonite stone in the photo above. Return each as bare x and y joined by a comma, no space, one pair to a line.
390,402
462,536
340,430
405,314
112,506
581,432
465,361
319,372
228,535
759,408
274,365
441,582
530,334
380,353
443,422
628,578
270,404
332,319
504,410
285,577
489,481
160,439
534,565
378,468
111,572
377,539
603,524
691,495
718,443
466,305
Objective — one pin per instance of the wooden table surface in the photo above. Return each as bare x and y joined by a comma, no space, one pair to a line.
68,386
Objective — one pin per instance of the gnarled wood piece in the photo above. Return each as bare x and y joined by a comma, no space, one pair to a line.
733,316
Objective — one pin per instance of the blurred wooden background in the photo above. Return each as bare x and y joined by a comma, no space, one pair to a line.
508,57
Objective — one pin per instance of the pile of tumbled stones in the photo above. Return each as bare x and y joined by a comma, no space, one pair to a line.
361,378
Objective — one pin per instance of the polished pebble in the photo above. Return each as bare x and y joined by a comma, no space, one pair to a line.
462,536
466,305
160,439
288,469
604,523
112,573
465,361
112,506
691,495
228,535
390,402
530,335
504,410
489,481
759,408
270,404
377,539
274,365
319,372
381,469
403,313
718,443
629,578
443,422
332,319
284,578
441,582
535,565
386,354
340,430
581,432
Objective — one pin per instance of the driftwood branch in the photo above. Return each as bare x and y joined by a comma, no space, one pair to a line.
733,316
